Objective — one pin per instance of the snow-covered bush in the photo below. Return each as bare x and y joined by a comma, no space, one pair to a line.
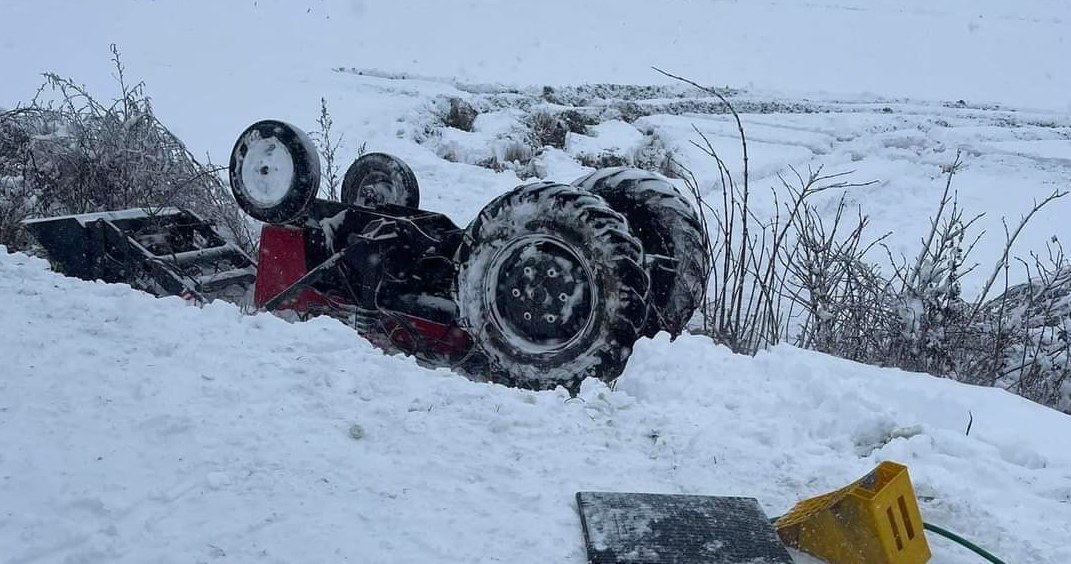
69,153
547,130
17,200
917,319
930,320
656,155
1030,329
801,277
459,114
840,296
758,279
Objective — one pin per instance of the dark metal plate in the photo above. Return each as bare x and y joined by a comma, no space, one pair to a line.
636,528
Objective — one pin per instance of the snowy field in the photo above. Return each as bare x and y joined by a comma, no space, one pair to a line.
141,430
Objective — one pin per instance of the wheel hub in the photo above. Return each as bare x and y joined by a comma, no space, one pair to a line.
541,293
267,170
376,189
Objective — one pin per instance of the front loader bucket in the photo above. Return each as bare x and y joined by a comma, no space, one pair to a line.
163,252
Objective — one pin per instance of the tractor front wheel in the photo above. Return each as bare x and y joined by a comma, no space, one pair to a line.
274,171
375,179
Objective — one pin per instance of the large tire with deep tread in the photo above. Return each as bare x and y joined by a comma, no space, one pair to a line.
667,225
375,179
274,171
551,287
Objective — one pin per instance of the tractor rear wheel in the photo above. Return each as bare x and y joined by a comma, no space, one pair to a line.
550,286
675,245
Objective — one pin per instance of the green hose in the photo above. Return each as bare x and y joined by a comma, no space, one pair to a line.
952,537
962,542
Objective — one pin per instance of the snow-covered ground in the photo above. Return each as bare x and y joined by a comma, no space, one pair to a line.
143,430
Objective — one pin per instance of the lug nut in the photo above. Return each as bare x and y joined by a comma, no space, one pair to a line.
527,316
516,293
550,318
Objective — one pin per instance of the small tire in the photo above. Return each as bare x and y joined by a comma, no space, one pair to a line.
274,171
551,287
667,225
375,179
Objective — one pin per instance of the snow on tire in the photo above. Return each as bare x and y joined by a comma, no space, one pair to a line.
674,242
551,287
274,171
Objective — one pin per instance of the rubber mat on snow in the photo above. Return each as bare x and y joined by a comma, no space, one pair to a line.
637,528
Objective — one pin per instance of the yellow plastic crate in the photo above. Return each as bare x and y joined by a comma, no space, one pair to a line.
875,520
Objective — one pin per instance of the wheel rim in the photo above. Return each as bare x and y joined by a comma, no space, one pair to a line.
541,294
267,169
377,188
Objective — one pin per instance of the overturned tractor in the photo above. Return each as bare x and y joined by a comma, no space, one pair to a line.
550,284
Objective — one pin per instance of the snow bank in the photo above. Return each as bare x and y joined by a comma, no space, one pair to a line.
146,430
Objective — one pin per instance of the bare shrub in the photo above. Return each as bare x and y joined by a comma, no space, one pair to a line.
459,114
803,277
75,154
930,313
514,155
327,144
17,200
655,155
1028,327
917,318
652,154
834,286
604,159
750,306
949,336
576,121
547,130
